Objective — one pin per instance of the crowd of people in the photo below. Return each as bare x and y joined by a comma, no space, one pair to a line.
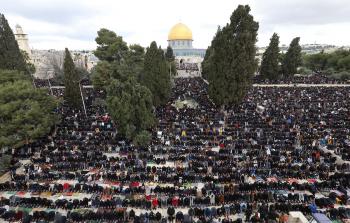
193,67
278,151
186,66
301,79
39,83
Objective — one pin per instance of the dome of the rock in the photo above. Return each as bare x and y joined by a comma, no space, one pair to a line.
180,32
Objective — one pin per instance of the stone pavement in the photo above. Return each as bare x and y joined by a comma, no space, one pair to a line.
6,177
254,85
339,160
301,85
20,170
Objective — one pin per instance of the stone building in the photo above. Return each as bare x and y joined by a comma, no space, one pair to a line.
22,40
48,62
180,40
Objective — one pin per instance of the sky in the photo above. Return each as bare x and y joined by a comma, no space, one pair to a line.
56,24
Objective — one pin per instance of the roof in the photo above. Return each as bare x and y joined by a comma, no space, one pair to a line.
180,32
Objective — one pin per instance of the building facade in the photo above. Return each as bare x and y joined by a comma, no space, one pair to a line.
180,40
22,40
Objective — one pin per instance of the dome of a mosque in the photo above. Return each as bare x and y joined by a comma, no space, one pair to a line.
180,32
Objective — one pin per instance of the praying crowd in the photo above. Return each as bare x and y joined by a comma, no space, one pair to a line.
282,149
301,79
186,66
55,82
193,67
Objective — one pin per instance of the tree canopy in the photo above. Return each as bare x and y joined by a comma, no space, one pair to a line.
169,54
230,61
170,58
10,54
119,72
292,59
117,60
270,61
337,61
26,113
206,63
130,106
156,75
71,82
110,46
29,66
335,64
10,76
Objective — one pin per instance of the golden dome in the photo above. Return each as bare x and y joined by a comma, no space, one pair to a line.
180,32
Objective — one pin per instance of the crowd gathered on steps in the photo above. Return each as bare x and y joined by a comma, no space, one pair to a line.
188,66
39,83
315,78
193,67
258,161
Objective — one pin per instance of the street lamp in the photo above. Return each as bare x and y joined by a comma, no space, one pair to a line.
81,95
82,98
48,79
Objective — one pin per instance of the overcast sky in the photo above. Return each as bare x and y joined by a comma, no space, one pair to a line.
56,24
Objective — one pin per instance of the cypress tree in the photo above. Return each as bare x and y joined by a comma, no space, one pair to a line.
10,55
27,113
269,65
111,47
232,61
170,58
119,72
130,105
169,54
206,63
71,82
116,59
156,76
292,60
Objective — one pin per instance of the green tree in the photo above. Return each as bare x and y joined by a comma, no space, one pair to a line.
344,63
10,76
292,59
136,58
26,113
316,62
172,68
71,82
83,73
118,72
156,75
169,54
270,61
170,58
117,60
5,163
132,64
334,58
206,63
30,68
142,139
344,75
59,71
304,71
110,47
232,61
102,74
130,106
10,55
